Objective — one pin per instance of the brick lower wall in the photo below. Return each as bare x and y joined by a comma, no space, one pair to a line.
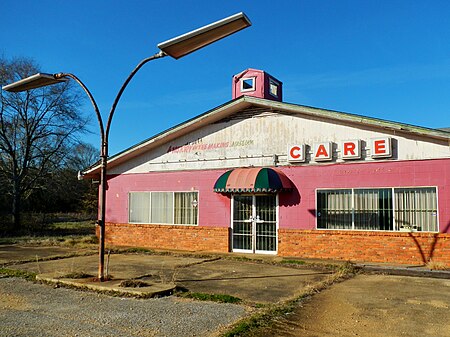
190,238
389,247
402,248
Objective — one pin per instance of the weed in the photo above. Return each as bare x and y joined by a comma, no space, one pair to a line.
133,284
347,269
37,263
260,305
296,262
222,298
242,258
77,275
435,265
136,250
107,263
29,276
255,321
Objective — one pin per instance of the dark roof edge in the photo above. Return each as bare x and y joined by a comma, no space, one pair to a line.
350,117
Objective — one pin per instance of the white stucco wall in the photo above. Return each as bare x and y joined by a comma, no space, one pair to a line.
255,141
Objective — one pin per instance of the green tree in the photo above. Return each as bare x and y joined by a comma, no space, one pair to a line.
36,129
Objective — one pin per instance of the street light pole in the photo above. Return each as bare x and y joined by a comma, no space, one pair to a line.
104,159
104,135
177,47
104,163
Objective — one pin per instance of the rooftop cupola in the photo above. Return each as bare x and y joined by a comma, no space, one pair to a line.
257,83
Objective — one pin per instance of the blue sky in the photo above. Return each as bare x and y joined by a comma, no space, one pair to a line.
387,59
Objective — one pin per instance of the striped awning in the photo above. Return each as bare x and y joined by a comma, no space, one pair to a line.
253,180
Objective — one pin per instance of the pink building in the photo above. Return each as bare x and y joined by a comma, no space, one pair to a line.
256,175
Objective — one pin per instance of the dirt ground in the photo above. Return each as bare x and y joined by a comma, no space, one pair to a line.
35,310
366,305
372,305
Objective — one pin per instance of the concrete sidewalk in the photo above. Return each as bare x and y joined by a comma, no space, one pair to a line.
10,254
251,281
253,278
403,270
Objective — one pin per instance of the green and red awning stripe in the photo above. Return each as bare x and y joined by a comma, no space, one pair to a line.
253,180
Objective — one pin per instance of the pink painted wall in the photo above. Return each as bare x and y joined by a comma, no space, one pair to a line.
297,209
214,208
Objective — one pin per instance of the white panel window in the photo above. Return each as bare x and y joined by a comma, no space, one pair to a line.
186,208
334,209
163,208
416,209
390,209
139,207
373,209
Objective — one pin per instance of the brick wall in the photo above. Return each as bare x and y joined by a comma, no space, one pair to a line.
389,247
191,238
402,248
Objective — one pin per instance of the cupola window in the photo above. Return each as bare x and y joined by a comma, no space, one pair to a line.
273,88
248,84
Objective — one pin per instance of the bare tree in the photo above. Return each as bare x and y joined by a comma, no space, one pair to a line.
63,192
82,156
36,129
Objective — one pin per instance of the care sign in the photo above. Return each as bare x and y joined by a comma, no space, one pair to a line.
323,151
348,149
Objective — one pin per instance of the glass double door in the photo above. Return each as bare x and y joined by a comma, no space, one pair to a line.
254,224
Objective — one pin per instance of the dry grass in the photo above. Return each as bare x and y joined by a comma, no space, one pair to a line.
435,265
70,233
268,314
77,275
133,284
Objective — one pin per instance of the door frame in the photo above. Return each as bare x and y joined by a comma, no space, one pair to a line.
253,250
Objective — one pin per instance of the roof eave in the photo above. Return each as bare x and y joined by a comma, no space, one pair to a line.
243,102
179,130
353,118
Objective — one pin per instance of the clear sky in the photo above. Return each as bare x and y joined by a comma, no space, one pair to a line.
387,59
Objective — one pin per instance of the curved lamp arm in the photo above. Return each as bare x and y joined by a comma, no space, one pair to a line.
91,98
125,84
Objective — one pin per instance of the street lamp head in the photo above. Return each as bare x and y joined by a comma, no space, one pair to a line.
187,43
33,82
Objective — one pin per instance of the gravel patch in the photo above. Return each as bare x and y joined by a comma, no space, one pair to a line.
28,309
